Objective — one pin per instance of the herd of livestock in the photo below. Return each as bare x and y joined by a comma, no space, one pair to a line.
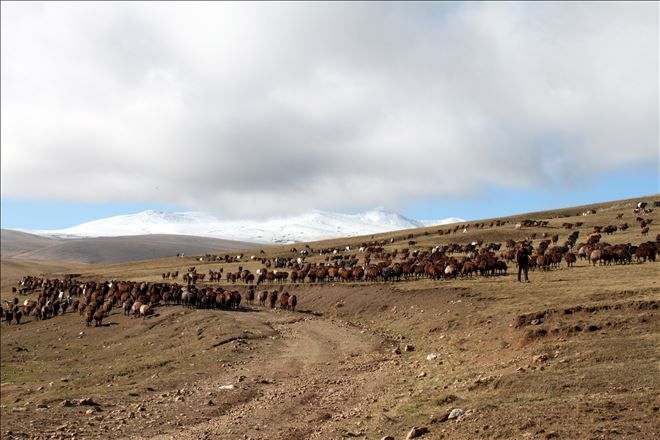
95,300
371,262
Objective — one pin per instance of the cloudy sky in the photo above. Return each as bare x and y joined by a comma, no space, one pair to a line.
257,109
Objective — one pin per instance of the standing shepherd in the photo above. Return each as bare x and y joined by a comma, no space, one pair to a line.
522,258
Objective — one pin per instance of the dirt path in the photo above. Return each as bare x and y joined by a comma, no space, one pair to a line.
315,379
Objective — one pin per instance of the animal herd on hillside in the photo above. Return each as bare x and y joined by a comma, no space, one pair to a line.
371,262
95,300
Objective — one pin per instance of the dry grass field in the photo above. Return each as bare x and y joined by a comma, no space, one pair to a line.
574,354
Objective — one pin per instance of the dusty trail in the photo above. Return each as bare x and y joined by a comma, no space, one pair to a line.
303,384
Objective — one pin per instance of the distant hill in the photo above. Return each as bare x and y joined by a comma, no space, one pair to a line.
110,250
16,242
311,226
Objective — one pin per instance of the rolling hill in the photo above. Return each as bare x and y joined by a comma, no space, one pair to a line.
109,250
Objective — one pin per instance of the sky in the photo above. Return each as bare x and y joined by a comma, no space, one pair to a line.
252,110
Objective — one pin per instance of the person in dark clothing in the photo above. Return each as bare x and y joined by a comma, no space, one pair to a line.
522,258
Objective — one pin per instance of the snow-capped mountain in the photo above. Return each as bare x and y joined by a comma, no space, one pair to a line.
314,225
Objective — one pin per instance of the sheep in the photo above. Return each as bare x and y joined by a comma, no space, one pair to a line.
272,297
293,301
136,308
98,317
127,306
284,300
89,315
145,310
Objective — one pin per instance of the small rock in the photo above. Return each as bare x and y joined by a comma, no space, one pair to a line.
42,405
434,419
67,403
86,402
210,403
540,358
455,413
409,348
387,437
89,411
416,432
422,374
227,387
432,357
396,351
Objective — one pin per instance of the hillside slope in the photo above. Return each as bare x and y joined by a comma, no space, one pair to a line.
111,250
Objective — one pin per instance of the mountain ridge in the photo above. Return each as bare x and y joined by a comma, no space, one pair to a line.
310,226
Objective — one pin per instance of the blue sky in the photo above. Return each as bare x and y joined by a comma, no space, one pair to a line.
499,201
254,110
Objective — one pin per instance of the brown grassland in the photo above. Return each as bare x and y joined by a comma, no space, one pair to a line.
572,355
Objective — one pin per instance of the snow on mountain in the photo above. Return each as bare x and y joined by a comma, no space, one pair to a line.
446,221
314,225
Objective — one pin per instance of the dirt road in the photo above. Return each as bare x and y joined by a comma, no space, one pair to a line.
302,382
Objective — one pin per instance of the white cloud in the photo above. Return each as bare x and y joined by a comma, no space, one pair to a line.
266,108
